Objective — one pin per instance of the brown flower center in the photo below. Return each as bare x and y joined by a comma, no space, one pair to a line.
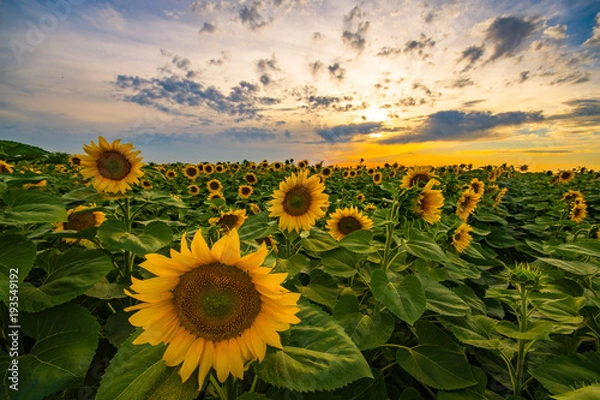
79,222
419,178
228,221
348,224
113,165
216,301
214,186
191,172
297,201
246,191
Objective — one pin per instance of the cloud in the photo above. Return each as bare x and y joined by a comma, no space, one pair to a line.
419,46
166,93
345,133
265,64
572,78
556,32
460,125
355,38
461,83
337,72
245,135
219,61
594,40
506,34
315,67
251,17
181,63
471,55
318,36
207,28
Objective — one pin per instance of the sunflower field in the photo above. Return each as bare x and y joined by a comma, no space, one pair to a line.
278,280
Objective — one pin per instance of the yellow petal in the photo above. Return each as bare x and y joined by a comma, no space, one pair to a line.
200,249
184,246
227,249
206,362
256,344
192,357
236,364
221,360
267,331
158,285
179,346
253,260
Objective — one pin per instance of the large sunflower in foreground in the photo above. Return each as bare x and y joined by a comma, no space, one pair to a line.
461,239
299,202
345,221
113,167
429,203
212,307
417,176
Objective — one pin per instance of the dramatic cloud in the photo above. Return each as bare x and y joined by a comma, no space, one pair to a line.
345,133
460,125
166,92
245,135
471,55
506,34
594,40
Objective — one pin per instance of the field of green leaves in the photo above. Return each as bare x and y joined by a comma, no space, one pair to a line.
290,280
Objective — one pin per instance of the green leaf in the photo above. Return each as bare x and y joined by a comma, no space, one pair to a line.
138,372
118,328
292,265
470,393
574,267
406,299
16,259
322,289
318,241
155,236
340,262
591,392
105,290
562,374
31,207
437,361
257,226
68,275
160,198
442,300
252,396
318,356
365,388
368,332
537,330
358,241
422,246
476,331
65,341
588,247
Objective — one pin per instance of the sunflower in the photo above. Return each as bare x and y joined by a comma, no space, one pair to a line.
250,178
326,172
170,174
245,191
112,167
215,195
370,171
191,172
234,167
377,178
346,174
573,195
5,168
220,168
345,221
212,308
477,186
302,164
417,176
499,196
299,202
146,184
360,197
461,239
75,160
41,183
565,176
193,190
370,207
578,212
214,185
229,220
277,166
429,203
269,241
264,164
255,208
467,203
78,220
208,169
352,173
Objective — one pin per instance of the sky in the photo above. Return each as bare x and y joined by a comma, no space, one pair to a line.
433,82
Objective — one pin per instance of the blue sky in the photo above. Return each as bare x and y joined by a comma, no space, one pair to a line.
418,82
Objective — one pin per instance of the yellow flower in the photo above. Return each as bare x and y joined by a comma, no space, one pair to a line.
193,190
565,176
326,172
499,196
299,202
208,169
461,239
78,220
277,166
345,221
229,220
215,195
170,174
214,186
41,183
360,197
417,176
220,168
477,186
191,172
75,160
302,164
211,307
146,184
269,241
245,191
5,168
255,208
429,203
250,178
578,212
467,203
370,207
573,195
377,178
112,167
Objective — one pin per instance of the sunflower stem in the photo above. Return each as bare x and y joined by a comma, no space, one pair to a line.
231,388
217,387
254,383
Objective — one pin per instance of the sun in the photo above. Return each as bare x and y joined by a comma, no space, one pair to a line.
375,113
